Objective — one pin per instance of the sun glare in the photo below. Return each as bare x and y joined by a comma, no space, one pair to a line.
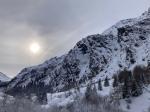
35,48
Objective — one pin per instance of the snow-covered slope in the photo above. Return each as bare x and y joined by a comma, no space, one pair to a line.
67,97
137,104
125,44
4,78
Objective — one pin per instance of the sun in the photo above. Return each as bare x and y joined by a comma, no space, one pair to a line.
35,48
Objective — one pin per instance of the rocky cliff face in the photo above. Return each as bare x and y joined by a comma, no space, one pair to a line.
125,44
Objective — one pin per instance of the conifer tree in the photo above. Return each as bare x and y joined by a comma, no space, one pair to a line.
106,82
100,85
115,82
125,92
136,90
88,91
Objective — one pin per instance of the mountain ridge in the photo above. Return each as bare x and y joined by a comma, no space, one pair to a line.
124,45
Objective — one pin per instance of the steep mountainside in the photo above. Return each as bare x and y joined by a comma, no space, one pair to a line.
125,44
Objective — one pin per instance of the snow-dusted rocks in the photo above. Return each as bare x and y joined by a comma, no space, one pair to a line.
125,44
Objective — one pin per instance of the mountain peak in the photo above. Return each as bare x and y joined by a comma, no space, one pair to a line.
4,77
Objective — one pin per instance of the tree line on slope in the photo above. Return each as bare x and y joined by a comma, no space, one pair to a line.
130,83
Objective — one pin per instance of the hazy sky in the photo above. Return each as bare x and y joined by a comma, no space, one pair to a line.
56,25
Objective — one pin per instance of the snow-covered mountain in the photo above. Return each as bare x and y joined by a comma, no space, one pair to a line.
124,45
4,78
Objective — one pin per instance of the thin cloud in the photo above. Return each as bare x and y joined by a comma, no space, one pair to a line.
56,24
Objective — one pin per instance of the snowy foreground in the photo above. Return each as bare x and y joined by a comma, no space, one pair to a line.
137,104
75,101
64,98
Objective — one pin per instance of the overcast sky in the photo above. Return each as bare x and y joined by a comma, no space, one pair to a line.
56,25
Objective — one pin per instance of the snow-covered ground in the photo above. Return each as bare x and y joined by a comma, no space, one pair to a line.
64,98
138,104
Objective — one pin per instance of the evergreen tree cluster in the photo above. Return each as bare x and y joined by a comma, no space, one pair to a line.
91,94
132,82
